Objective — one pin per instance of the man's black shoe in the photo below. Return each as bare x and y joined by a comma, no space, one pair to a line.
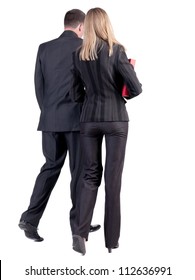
94,228
30,231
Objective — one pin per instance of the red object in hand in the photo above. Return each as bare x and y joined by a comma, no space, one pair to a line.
125,91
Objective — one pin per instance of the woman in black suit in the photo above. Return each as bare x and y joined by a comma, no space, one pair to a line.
101,69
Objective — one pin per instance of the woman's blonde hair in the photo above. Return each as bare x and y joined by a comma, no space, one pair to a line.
97,28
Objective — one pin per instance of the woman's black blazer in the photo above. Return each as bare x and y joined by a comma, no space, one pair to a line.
98,84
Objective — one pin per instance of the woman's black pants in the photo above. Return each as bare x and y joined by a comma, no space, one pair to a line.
91,140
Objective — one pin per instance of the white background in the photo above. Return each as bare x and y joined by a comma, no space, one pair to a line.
158,182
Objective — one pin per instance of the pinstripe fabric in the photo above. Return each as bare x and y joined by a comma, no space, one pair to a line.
99,83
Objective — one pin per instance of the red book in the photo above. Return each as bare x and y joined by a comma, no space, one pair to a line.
125,91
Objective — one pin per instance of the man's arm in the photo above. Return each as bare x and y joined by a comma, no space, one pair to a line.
77,90
39,80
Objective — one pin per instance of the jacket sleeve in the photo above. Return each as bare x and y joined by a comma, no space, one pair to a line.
129,75
39,80
77,90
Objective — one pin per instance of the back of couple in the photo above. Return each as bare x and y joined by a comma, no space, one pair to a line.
78,87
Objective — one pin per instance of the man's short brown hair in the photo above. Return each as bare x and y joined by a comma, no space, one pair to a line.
73,18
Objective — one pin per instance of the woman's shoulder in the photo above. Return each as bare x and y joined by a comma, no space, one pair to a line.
118,47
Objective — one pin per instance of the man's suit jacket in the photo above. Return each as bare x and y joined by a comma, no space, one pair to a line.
99,84
53,76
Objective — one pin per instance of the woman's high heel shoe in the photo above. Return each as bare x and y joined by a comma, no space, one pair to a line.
79,244
115,247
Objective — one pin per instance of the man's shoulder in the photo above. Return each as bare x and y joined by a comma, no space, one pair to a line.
59,40
47,43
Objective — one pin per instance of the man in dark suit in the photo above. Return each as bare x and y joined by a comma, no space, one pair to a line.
59,123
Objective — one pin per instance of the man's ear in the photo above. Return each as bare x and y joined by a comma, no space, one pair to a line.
80,26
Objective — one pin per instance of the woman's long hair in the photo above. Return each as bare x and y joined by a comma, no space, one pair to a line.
97,29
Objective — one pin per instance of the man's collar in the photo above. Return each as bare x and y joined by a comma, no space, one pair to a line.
69,33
